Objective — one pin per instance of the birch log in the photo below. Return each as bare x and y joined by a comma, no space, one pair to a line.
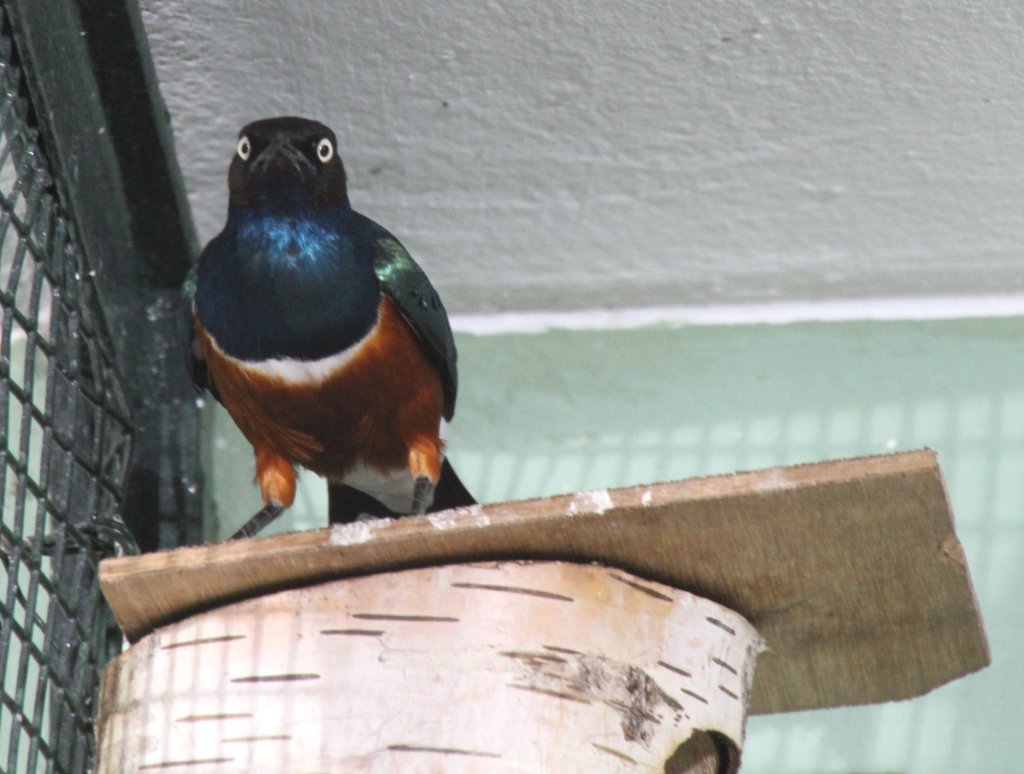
498,667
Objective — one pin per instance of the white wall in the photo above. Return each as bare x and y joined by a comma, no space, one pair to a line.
567,155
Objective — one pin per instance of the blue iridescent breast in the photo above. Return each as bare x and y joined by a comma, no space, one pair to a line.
283,286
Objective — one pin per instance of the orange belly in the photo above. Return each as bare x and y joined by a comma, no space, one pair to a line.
382,407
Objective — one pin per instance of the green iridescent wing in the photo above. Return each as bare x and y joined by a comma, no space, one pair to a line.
197,370
405,283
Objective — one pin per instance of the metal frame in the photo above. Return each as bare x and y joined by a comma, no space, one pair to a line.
107,132
98,421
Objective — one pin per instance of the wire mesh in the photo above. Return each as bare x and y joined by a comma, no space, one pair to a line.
65,438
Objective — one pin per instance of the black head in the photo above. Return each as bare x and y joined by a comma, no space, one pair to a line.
286,163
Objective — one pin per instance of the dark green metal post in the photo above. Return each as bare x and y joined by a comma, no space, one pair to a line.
107,131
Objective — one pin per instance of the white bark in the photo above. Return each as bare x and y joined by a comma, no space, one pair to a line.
507,667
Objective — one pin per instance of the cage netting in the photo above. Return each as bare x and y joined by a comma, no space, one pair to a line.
66,440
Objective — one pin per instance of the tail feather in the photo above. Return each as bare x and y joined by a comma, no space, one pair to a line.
345,504
450,492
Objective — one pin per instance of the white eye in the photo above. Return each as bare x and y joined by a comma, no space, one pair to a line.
244,148
324,150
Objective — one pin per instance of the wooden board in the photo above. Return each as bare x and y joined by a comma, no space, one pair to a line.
850,570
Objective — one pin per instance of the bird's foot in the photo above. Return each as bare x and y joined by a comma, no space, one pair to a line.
422,494
263,517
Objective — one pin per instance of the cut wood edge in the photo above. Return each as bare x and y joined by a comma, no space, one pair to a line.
120,577
797,550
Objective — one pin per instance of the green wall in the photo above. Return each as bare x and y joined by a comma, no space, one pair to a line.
565,411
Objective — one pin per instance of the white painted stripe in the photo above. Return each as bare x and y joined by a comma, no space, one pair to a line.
772,313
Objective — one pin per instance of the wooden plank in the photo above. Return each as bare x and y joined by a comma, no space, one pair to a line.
497,666
850,570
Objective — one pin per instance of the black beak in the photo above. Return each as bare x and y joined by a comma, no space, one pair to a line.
280,176
282,156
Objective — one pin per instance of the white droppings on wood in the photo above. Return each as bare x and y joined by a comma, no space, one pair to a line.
646,499
597,501
356,532
443,520
469,516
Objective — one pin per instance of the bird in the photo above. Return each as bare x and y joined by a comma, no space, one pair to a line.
325,341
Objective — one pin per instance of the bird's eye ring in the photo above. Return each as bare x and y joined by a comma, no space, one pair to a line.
244,148
325,150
